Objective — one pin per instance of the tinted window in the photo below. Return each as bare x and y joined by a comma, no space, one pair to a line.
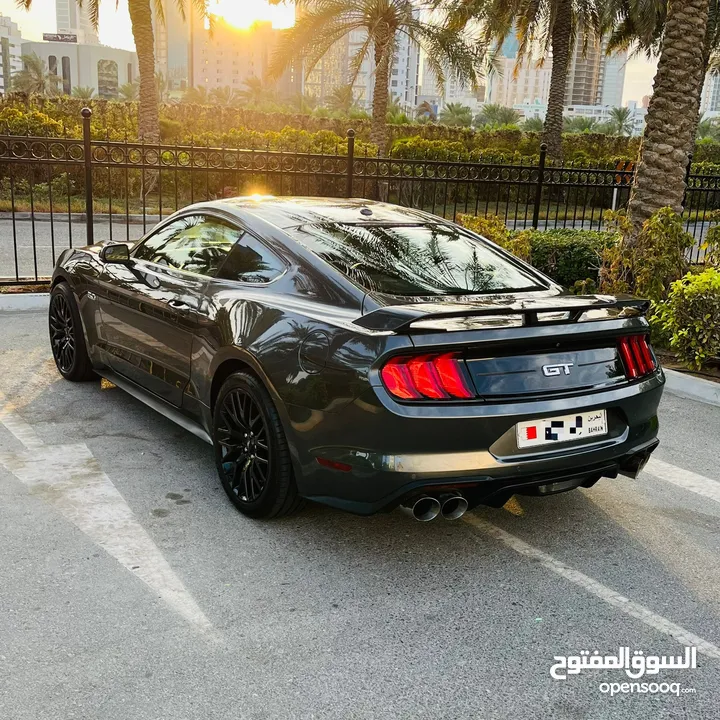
196,243
251,262
416,260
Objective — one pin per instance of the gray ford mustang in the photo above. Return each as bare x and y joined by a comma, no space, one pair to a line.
362,355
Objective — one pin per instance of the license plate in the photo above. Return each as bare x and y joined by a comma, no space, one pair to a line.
564,428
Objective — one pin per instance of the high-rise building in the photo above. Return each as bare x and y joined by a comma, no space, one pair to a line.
333,71
330,72
612,79
75,20
710,101
10,51
594,77
172,44
528,83
229,55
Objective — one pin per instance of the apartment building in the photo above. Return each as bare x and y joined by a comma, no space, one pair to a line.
10,52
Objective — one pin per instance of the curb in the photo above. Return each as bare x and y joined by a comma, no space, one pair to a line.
694,388
24,301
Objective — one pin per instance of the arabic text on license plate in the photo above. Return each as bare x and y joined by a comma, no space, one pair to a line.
565,428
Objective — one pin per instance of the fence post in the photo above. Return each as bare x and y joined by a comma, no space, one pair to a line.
350,162
688,170
87,154
539,188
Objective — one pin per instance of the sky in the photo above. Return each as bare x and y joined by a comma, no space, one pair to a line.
115,30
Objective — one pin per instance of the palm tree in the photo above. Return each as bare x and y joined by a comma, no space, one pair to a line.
255,91
553,26
426,110
533,124
456,114
303,103
674,111
162,87
497,115
620,122
707,129
196,95
577,124
34,78
325,22
141,12
84,93
341,99
128,92
221,96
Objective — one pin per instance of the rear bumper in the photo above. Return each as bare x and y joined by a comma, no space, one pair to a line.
474,453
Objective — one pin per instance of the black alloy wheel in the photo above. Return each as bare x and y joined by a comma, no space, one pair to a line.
243,439
66,336
251,450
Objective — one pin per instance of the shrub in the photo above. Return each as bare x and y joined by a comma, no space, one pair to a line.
494,229
570,257
17,122
649,265
691,317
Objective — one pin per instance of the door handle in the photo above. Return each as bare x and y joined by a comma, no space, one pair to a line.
179,305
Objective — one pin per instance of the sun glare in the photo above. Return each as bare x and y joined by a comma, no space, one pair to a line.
243,13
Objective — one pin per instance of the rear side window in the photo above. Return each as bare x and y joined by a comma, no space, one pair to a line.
415,260
250,261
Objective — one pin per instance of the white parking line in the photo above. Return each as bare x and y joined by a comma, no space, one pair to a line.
629,607
684,478
69,478
16,425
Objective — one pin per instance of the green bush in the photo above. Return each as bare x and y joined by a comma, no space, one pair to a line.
691,317
570,257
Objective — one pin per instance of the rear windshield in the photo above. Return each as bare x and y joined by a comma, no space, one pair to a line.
415,260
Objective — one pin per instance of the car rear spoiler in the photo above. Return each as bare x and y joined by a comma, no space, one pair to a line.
400,318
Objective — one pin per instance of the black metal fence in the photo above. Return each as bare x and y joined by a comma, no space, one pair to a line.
60,192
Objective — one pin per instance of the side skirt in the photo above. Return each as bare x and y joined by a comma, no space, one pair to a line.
156,403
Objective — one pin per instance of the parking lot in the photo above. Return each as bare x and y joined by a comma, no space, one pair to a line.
131,588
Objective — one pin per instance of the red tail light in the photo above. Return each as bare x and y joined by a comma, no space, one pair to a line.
637,356
435,377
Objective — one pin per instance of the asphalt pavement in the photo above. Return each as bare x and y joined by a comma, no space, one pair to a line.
131,589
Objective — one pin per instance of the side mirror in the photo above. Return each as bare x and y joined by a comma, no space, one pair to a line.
115,254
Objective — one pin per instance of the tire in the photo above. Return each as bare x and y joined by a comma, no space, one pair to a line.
67,339
251,451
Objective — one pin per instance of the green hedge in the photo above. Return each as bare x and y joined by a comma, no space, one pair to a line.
691,317
180,119
570,257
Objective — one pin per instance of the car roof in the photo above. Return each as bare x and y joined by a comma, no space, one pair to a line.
287,212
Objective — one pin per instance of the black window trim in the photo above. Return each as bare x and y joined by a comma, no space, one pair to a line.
233,221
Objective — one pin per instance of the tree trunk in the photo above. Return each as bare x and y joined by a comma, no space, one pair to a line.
383,58
673,113
148,113
561,38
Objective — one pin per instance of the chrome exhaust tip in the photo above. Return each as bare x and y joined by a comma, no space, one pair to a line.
453,507
423,508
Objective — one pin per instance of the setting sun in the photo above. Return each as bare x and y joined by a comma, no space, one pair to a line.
243,14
